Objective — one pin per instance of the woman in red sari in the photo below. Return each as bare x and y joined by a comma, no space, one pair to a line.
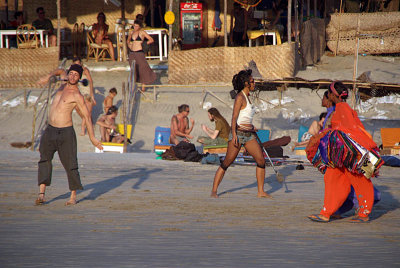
338,180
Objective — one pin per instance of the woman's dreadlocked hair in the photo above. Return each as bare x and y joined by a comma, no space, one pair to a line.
239,79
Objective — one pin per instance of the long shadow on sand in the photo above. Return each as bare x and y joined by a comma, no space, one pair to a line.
388,203
104,186
272,182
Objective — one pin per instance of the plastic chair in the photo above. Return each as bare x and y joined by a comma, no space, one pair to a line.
301,150
263,135
27,37
96,51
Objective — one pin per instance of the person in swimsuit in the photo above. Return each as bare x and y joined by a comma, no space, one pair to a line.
100,35
243,132
143,73
108,128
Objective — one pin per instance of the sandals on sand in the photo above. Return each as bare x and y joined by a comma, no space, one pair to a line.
40,201
317,218
359,219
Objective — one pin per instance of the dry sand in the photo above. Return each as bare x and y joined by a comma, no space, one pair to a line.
137,211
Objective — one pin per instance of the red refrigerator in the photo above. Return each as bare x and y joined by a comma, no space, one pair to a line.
192,25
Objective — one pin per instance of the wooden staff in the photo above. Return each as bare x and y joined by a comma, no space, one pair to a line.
34,119
124,116
218,98
338,31
355,63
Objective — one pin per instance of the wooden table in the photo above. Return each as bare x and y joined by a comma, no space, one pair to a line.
254,34
7,33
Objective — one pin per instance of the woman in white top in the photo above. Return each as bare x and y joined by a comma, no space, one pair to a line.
242,133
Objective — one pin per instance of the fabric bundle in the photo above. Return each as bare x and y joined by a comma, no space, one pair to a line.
336,149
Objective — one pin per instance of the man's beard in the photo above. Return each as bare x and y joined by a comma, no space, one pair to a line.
73,84
212,119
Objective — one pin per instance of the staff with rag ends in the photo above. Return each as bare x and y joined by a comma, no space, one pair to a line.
60,136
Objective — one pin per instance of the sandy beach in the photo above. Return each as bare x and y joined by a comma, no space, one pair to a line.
136,211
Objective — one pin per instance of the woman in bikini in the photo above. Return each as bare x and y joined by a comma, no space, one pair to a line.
144,74
242,133
100,35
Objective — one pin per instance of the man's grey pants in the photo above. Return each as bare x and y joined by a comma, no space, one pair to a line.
62,140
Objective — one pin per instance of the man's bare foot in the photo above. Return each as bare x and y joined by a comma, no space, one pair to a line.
264,195
40,200
83,134
214,194
71,202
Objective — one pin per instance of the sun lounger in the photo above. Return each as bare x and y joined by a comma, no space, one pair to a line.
301,150
116,147
390,137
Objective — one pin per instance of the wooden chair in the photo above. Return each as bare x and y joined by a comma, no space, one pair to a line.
27,37
96,51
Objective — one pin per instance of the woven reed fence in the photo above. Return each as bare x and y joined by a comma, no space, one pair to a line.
21,68
380,24
219,64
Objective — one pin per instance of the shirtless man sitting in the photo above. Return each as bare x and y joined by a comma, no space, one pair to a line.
180,130
108,129
60,135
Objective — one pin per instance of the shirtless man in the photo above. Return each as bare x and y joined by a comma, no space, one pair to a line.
60,136
180,130
108,127
108,101
88,93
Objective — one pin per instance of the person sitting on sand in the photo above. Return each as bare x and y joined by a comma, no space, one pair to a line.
180,130
220,135
315,127
108,101
108,128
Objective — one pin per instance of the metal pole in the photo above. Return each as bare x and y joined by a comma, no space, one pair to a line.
296,20
289,21
225,23
124,48
152,12
170,29
315,8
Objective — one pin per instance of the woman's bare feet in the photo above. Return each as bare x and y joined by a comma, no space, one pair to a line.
214,194
264,195
70,202
40,200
